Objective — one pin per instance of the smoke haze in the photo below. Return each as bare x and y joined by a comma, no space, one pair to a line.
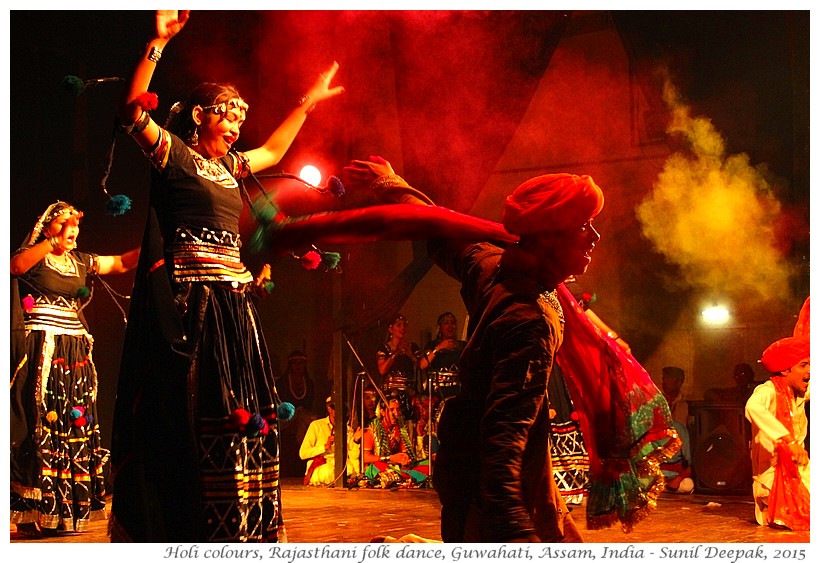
714,215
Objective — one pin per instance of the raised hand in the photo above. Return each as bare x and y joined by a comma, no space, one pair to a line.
170,22
321,89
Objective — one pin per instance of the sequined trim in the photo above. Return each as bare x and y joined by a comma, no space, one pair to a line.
213,170
550,299
58,315
202,254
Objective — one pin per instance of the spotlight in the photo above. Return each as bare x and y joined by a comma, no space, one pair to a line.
715,315
311,175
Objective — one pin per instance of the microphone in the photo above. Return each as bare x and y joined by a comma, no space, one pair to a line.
76,85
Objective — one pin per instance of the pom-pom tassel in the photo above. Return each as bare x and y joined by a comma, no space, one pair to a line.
257,425
310,260
74,85
335,186
263,282
285,411
330,260
117,205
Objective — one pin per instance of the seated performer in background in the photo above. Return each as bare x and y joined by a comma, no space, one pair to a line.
389,453
425,421
317,450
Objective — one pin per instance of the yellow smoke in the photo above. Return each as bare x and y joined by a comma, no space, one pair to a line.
714,214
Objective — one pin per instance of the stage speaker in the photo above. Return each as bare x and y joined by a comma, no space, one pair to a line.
721,440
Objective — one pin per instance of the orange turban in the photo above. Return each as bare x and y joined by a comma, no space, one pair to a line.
785,353
554,202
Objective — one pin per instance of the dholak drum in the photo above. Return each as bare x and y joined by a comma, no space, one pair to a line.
446,383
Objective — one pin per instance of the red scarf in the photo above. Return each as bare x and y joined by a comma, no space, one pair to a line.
625,421
789,497
314,463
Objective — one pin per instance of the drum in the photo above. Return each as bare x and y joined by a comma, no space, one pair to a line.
445,379
395,382
446,383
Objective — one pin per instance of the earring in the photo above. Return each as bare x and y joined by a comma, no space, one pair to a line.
194,138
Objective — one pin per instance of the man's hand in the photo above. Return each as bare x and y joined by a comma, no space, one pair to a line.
362,173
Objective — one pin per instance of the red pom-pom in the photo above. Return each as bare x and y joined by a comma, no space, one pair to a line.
28,303
311,260
80,422
147,101
574,416
240,418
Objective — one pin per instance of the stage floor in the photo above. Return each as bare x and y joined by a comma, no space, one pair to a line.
338,515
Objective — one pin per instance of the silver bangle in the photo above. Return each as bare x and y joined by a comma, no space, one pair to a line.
154,54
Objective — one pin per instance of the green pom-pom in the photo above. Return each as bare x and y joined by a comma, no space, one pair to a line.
83,292
74,85
268,287
331,259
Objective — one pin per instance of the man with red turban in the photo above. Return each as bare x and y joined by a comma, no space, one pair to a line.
777,411
493,471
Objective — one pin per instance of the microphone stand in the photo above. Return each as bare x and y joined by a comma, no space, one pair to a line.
359,378
360,381
430,426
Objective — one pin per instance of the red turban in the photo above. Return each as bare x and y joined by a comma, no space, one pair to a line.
553,202
801,328
785,353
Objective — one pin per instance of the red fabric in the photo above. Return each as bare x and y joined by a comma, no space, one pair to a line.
317,461
801,328
552,201
789,498
785,353
624,419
